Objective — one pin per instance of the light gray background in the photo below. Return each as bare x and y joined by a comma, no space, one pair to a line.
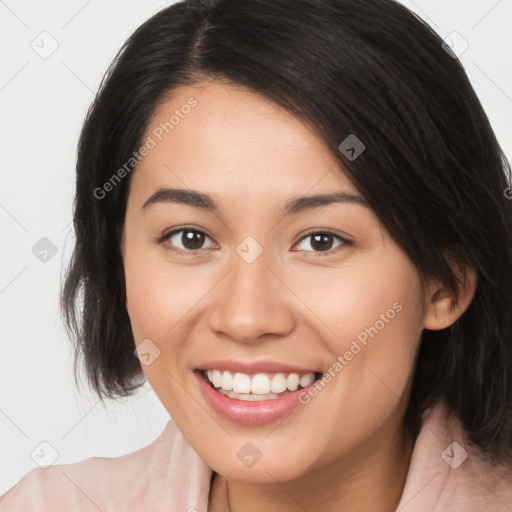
42,105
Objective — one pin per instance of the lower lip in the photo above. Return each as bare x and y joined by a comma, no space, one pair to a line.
249,413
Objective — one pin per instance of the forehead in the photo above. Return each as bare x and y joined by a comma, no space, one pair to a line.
221,138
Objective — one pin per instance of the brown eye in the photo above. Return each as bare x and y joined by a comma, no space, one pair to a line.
186,240
322,241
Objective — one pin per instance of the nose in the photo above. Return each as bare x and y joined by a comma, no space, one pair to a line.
252,301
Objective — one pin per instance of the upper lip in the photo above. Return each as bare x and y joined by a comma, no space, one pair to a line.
251,367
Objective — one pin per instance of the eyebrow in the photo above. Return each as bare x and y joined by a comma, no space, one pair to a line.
199,200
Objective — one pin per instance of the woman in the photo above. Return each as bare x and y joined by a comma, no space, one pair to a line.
296,215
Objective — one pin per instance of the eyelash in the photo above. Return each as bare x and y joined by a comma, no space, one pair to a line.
161,240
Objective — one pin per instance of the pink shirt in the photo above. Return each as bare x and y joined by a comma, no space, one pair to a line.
168,475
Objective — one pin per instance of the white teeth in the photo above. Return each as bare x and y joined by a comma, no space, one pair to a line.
216,378
259,384
292,382
307,379
227,381
278,384
241,383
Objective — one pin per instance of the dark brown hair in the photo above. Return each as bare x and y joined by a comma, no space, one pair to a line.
432,171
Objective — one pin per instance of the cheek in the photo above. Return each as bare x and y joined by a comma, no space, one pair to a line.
356,298
165,301
372,320
371,367
155,292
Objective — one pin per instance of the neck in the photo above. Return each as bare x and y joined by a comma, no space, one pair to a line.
371,477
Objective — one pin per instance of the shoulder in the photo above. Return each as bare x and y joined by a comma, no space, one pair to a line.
156,474
448,473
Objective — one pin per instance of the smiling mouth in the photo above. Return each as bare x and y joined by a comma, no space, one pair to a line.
259,386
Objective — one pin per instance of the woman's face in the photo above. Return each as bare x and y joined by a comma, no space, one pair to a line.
315,288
